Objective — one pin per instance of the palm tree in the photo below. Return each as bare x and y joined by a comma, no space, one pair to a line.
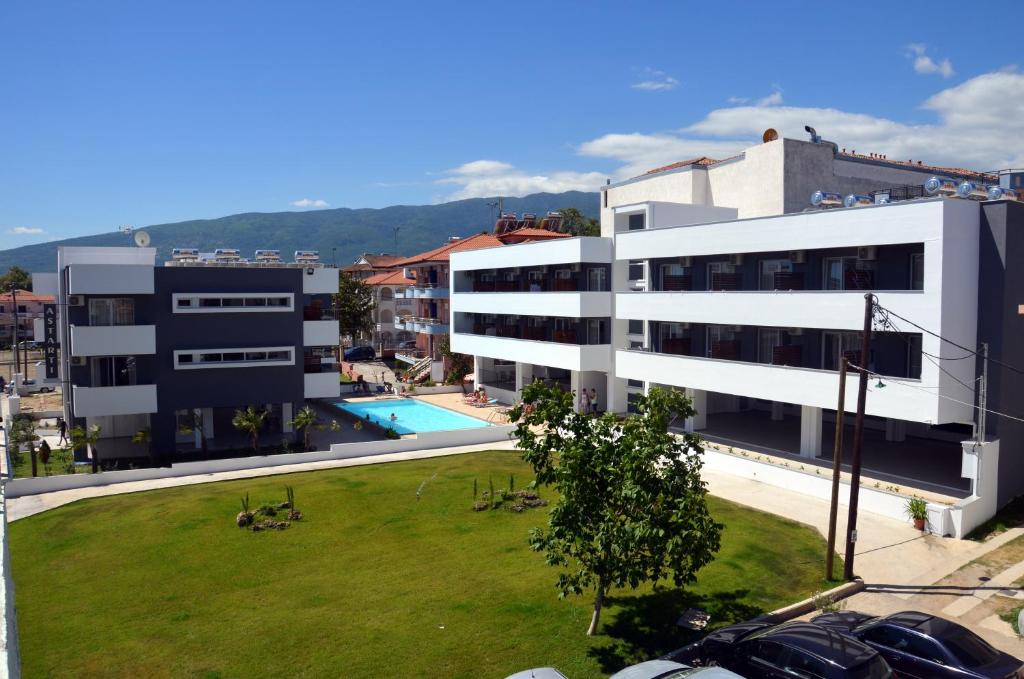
251,421
304,420
87,438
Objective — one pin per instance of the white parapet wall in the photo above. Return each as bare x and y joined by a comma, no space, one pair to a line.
10,664
423,441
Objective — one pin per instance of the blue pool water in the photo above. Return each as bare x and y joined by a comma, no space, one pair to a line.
412,416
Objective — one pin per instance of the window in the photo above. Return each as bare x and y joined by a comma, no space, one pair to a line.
230,358
917,271
636,270
767,340
114,311
914,357
639,384
112,371
837,345
386,316
597,279
231,302
770,267
969,648
386,294
907,642
636,327
595,331
563,274
848,273
22,309
721,276
636,222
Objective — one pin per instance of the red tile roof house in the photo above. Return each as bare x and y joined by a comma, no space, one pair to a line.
30,307
390,304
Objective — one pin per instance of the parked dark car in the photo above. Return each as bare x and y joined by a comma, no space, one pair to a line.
921,646
407,344
360,354
792,650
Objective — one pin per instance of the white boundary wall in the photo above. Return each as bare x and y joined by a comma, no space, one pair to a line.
10,664
423,441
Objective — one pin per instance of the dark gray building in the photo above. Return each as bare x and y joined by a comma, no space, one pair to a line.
178,348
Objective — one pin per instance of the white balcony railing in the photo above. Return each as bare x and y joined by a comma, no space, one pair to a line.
113,340
322,385
101,401
320,333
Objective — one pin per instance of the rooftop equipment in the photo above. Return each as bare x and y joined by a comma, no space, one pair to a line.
268,256
856,200
552,221
940,185
972,191
999,193
826,199
185,254
307,256
227,255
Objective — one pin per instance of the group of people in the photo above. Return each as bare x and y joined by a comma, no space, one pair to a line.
587,401
478,397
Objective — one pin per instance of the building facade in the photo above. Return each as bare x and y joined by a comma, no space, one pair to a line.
29,308
178,348
391,309
719,278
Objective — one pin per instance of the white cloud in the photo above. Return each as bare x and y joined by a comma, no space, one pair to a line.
310,202
655,81
978,124
25,231
925,65
482,178
738,100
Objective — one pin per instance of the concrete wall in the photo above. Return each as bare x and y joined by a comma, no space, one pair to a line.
423,441
10,655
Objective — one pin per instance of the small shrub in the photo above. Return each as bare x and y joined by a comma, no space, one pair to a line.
358,425
390,433
481,506
827,603
267,510
916,509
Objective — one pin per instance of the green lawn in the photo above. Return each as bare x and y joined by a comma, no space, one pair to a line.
373,582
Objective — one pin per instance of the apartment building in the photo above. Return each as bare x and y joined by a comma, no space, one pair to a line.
725,282
369,264
391,308
178,348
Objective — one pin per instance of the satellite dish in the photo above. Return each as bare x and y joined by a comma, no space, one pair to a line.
141,239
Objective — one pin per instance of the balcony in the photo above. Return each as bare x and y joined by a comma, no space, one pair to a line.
321,385
677,282
426,293
548,353
559,304
430,326
102,401
113,340
107,279
840,310
901,398
320,333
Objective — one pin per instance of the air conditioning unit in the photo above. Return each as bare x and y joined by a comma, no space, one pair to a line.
78,361
798,256
686,261
684,326
575,266
795,332
736,260
76,300
737,328
867,252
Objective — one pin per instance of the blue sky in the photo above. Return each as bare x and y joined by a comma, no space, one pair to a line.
141,112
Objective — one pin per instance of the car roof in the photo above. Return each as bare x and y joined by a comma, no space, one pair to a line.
827,644
921,622
648,670
538,673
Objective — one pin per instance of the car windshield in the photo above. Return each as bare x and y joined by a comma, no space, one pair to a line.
969,648
876,668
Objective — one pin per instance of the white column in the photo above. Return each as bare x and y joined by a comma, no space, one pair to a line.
519,378
699,398
810,431
477,364
208,423
895,430
286,418
778,411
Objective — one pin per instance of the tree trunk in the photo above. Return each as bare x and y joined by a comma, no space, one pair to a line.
598,602
32,452
92,456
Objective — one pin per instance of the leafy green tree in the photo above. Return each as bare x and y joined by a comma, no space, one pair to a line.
144,437
304,421
576,223
251,421
354,305
87,438
459,365
632,506
23,433
21,279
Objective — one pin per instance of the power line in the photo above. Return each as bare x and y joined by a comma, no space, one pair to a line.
886,322
949,341
948,398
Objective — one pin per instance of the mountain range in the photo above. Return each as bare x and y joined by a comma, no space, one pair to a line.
340,234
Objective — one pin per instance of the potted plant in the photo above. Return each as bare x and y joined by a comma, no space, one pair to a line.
917,511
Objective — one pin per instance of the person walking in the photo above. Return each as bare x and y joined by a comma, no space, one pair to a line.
62,427
584,402
593,401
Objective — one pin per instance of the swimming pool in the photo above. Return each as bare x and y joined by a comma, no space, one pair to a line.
411,416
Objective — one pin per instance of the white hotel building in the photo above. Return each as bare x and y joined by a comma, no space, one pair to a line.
715,277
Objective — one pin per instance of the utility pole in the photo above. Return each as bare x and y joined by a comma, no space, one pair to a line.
983,393
16,355
837,461
858,436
